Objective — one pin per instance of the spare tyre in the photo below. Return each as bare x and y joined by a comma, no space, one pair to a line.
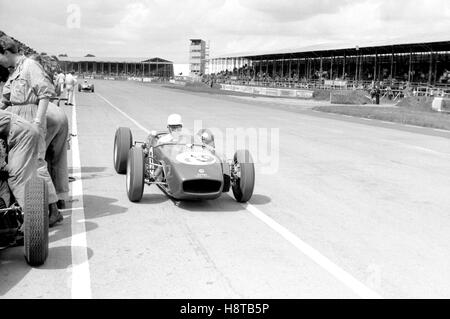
35,212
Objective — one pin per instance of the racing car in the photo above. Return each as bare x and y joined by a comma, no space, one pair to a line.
186,168
26,225
85,86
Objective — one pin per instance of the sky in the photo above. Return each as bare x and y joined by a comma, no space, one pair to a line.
162,28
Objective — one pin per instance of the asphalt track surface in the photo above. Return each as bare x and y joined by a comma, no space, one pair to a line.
356,209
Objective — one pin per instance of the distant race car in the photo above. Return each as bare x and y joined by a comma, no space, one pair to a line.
85,86
187,168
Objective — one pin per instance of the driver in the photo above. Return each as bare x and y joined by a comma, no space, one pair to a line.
174,125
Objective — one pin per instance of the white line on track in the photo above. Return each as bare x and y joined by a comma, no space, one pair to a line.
340,274
425,149
344,277
71,209
81,278
439,130
125,114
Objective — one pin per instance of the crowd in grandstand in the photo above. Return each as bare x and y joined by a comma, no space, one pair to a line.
390,88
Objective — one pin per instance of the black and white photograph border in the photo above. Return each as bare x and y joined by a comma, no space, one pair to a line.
238,151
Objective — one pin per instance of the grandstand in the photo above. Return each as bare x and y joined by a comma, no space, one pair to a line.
134,67
413,65
102,66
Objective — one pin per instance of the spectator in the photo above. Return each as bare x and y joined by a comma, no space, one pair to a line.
70,82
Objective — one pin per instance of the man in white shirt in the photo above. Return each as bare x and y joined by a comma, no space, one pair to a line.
70,86
60,79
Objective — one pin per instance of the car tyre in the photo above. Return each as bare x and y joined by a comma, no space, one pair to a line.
135,174
36,217
123,141
244,184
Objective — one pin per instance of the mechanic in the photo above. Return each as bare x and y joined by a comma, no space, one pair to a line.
28,90
22,139
56,137
70,86
175,126
56,154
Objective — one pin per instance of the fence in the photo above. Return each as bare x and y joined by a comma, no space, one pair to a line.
304,94
394,89
124,78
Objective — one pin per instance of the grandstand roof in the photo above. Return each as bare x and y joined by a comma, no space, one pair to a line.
364,47
114,60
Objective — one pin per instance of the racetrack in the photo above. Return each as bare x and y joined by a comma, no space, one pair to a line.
355,209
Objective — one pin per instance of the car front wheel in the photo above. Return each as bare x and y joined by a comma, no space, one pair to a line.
135,174
122,144
243,176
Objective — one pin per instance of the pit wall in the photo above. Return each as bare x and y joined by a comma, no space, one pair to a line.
441,104
121,78
303,94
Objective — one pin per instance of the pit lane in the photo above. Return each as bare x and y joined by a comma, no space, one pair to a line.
373,206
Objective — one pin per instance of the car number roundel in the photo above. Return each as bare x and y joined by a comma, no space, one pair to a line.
196,158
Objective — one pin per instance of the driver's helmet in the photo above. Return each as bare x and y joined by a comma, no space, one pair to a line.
207,137
174,123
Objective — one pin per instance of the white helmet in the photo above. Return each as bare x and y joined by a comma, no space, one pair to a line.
174,119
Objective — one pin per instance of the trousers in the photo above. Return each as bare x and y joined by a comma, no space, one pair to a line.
28,112
22,157
56,154
70,94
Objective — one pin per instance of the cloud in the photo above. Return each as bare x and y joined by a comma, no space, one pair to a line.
287,10
163,27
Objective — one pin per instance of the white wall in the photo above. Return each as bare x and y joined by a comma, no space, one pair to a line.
181,68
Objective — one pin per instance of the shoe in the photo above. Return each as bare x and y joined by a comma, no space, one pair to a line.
66,103
55,216
61,204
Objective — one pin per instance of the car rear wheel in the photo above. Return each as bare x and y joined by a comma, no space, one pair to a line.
122,144
135,174
243,176
36,221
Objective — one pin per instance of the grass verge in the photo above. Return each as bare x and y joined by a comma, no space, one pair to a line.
401,115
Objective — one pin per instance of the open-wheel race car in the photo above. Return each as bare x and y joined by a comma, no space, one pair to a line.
86,87
26,225
185,168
